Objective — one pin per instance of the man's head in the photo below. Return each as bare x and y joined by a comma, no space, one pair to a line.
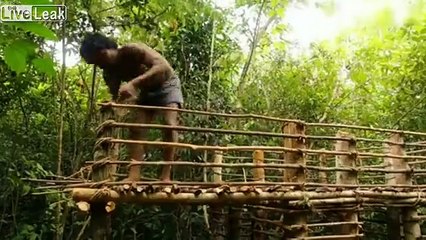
98,49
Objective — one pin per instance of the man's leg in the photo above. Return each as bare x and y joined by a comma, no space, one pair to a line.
136,151
171,119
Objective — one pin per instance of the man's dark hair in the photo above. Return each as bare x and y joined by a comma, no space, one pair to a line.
94,42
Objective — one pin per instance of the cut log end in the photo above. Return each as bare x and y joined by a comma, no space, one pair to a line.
83,206
110,206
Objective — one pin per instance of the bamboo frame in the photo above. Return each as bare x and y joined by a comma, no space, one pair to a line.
300,196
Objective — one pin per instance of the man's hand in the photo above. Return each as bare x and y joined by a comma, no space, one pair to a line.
127,91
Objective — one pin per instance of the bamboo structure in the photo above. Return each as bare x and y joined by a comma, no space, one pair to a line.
271,185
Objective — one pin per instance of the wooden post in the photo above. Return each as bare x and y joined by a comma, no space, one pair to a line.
217,171
217,214
322,175
345,177
409,215
100,223
295,175
259,176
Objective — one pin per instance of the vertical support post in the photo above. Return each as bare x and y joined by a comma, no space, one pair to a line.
345,177
217,171
234,220
100,223
295,175
259,176
322,175
409,214
217,215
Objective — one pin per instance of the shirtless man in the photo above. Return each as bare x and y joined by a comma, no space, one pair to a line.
150,80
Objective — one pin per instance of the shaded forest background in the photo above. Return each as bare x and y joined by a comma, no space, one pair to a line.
372,75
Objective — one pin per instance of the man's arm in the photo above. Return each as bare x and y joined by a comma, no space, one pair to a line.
157,69
113,85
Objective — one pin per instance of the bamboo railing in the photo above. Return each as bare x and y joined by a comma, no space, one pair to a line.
305,181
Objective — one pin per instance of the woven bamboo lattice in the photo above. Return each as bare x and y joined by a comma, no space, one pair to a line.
294,180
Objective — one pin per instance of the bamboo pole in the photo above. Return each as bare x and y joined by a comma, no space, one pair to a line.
217,218
100,223
347,178
258,176
295,175
409,215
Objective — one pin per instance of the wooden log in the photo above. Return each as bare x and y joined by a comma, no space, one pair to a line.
408,215
83,206
247,197
347,178
217,218
295,175
259,176
100,223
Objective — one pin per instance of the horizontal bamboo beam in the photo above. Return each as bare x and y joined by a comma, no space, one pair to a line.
111,123
262,165
330,237
182,110
255,116
267,186
252,148
308,225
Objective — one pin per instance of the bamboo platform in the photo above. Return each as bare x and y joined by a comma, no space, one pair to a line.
297,180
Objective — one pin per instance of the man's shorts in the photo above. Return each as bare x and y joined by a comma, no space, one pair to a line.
169,92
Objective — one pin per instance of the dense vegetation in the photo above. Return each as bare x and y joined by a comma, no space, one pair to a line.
48,111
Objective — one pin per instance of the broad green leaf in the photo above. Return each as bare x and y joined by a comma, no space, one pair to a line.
38,29
45,65
15,57
28,46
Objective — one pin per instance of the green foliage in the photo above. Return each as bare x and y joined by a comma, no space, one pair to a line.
15,56
44,65
37,29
